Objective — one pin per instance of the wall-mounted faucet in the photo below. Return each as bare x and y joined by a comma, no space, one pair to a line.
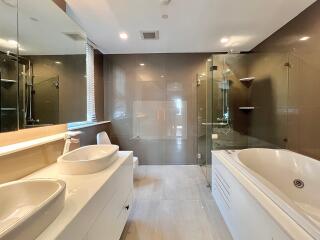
70,139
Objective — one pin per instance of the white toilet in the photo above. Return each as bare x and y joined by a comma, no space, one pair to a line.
103,138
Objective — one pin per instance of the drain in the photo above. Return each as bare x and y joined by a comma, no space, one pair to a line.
298,183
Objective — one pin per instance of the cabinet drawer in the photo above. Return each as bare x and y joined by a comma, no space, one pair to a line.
107,225
123,216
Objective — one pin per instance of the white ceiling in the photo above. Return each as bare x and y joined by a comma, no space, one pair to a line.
41,29
192,26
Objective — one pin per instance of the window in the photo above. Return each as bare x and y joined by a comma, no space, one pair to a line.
91,109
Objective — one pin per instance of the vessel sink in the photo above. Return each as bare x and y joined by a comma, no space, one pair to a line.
27,207
87,160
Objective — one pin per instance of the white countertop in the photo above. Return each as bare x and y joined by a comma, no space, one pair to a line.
79,190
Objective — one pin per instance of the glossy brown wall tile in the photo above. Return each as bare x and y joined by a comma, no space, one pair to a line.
152,107
88,136
99,85
293,96
72,83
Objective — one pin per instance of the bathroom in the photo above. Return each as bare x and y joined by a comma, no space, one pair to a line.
159,120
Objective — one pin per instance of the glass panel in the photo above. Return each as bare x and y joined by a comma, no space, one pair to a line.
246,103
204,119
201,118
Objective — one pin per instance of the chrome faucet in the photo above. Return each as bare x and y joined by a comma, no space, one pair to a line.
70,139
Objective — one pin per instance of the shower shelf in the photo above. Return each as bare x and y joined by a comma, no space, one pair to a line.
8,109
247,79
8,81
246,108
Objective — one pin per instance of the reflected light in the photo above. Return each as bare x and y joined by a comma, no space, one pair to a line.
8,43
13,42
305,38
224,40
235,41
123,36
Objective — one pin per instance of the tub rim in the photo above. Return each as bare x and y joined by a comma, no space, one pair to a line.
293,213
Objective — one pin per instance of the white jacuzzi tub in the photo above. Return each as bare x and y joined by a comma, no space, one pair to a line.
282,182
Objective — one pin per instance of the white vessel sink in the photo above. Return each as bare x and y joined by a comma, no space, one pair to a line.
27,207
87,160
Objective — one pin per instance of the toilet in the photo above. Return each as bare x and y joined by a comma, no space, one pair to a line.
103,138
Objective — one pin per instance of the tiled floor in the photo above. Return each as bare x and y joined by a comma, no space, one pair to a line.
173,203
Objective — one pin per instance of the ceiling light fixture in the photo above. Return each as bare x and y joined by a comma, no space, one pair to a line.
141,64
123,35
57,62
305,38
224,40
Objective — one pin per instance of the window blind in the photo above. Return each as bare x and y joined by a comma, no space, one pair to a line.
91,109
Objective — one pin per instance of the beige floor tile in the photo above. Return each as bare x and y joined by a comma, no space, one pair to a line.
173,203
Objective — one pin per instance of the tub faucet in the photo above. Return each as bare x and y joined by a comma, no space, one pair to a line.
70,139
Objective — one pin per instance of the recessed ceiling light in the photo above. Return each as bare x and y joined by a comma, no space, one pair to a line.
141,64
57,62
305,38
209,60
123,35
162,76
224,40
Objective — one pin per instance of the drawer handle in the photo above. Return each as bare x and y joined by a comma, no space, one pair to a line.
127,207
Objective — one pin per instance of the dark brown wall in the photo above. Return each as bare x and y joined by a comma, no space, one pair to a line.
88,136
99,85
61,4
288,97
72,83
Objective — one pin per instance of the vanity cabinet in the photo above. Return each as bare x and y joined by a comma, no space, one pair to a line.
97,205
111,220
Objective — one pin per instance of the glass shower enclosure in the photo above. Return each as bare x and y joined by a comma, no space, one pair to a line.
242,101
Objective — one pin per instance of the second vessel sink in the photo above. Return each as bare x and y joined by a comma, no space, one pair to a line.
87,160
27,207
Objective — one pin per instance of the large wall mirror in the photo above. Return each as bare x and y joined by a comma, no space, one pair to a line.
42,65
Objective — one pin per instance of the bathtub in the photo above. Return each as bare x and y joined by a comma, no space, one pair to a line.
267,193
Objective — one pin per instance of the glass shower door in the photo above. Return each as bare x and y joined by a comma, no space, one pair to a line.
201,118
204,120
212,111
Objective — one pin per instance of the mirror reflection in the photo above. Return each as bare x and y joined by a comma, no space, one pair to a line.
8,66
43,70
